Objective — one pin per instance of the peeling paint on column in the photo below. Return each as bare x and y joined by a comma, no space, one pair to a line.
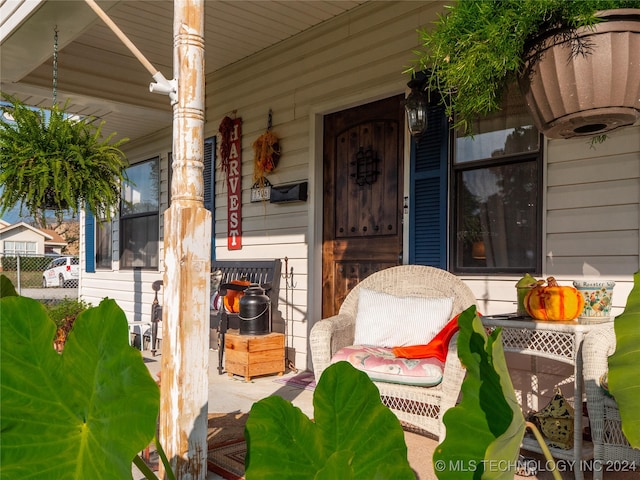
185,348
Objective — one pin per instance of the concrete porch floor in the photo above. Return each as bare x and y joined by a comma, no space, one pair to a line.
235,395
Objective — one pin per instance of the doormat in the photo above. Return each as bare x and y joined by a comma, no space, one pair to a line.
226,445
224,428
304,380
228,460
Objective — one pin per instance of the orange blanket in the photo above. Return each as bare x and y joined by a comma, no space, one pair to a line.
438,347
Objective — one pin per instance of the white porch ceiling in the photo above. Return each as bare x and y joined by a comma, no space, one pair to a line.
103,79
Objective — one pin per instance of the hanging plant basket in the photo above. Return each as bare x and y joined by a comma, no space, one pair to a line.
470,63
50,160
51,203
574,94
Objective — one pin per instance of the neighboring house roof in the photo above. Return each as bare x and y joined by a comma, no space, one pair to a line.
56,239
16,226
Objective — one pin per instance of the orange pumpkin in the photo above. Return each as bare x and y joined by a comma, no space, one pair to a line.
232,298
553,302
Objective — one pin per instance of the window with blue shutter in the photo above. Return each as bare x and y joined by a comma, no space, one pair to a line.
428,205
496,201
140,216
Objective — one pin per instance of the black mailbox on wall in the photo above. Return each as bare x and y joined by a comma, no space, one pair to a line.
293,192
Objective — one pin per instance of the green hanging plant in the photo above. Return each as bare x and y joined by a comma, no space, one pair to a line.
50,160
477,49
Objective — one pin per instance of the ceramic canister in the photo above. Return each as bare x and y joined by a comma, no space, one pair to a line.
598,296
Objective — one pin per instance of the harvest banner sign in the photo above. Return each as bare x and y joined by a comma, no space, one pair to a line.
234,187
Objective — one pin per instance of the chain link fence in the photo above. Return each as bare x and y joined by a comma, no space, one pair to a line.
40,274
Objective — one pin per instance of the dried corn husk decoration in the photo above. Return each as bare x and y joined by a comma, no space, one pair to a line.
266,150
226,132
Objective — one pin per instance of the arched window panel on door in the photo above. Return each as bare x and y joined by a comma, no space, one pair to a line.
367,169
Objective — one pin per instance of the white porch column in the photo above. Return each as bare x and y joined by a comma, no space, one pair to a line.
187,241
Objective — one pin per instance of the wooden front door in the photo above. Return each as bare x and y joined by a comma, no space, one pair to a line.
363,171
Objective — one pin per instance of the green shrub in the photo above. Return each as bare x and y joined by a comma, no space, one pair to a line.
64,313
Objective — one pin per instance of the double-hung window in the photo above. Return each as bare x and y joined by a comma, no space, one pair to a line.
496,194
12,247
139,216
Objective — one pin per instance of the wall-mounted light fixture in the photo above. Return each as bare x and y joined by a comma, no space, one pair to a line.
416,105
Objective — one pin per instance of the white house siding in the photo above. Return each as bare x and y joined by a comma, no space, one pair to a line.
591,226
590,230
355,59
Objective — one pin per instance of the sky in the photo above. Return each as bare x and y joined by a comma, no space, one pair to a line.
13,215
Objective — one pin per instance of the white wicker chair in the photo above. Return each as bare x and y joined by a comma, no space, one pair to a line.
418,407
609,443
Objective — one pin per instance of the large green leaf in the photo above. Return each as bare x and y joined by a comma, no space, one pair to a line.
6,287
354,436
82,414
485,430
624,364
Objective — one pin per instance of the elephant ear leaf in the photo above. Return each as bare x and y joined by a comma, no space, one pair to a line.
624,384
81,414
353,435
6,287
486,428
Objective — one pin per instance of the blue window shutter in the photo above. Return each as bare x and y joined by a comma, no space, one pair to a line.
89,241
428,206
209,186
170,160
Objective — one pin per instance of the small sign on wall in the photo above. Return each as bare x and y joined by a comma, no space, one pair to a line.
234,189
261,193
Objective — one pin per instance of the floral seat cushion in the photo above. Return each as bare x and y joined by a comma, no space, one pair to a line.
380,364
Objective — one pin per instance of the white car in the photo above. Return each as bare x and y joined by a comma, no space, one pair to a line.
62,272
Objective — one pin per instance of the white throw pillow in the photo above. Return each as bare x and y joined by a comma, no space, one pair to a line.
385,320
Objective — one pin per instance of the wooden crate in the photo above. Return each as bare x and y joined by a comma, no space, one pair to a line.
252,355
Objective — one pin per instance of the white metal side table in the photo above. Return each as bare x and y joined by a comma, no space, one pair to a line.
561,341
